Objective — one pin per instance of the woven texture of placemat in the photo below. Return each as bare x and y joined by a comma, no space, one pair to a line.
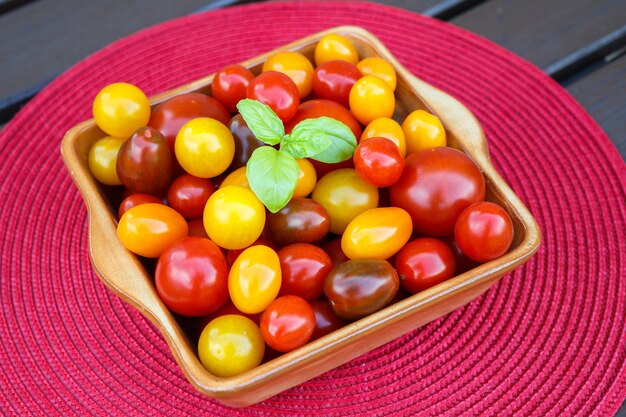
547,340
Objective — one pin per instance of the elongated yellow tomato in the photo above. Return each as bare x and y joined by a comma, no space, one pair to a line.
237,177
307,178
380,68
295,66
234,217
332,47
387,128
230,345
377,233
149,229
254,279
371,98
423,131
102,160
204,147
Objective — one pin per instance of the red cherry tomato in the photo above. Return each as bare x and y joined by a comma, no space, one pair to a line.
333,249
230,85
169,116
326,321
436,185
287,323
423,263
484,231
332,80
378,161
188,195
277,91
196,228
304,268
135,200
192,277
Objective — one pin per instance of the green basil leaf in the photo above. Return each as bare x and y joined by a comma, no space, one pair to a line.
262,121
305,142
342,142
273,176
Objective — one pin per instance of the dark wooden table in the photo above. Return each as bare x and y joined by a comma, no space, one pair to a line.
580,43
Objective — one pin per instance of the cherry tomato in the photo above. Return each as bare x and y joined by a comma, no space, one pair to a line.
307,178
344,195
302,220
423,131
230,85
188,195
102,160
119,109
145,163
313,109
254,279
484,231
231,345
288,323
326,321
204,147
169,116
277,91
380,68
423,263
436,186
234,217
196,228
333,80
371,98
332,47
379,162
295,66
233,254
384,127
333,249
245,141
149,229
192,277
304,267
377,233
361,287
237,177
135,200
462,261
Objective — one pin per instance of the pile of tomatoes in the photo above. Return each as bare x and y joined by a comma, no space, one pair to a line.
403,214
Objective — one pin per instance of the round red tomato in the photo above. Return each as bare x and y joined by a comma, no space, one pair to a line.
192,277
378,161
169,116
287,323
230,85
135,200
333,80
423,263
436,185
333,249
326,321
484,231
277,91
304,268
188,195
196,228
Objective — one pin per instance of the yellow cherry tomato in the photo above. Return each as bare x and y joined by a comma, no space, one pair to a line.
237,177
119,109
234,217
149,229
384,127
423,131
204,147
230,345
344,195
380,68
307,178
371,98
254,279
377,233
102,160
332,47
295,66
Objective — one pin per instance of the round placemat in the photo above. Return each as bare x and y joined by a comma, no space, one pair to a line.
547,340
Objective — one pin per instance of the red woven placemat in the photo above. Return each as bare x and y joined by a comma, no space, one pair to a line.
548,340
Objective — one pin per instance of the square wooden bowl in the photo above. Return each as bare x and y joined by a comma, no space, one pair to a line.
125,275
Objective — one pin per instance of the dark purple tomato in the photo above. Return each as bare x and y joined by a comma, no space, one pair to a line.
230,85
361,287
188,195
462,261
423,263
276,90
302,220
145,163
333,80
326,321
245,141
304,268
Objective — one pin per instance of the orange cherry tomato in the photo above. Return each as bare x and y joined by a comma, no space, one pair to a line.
371,98
423,131
334,46
380,68
237,177
384,127
295,66
307,178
